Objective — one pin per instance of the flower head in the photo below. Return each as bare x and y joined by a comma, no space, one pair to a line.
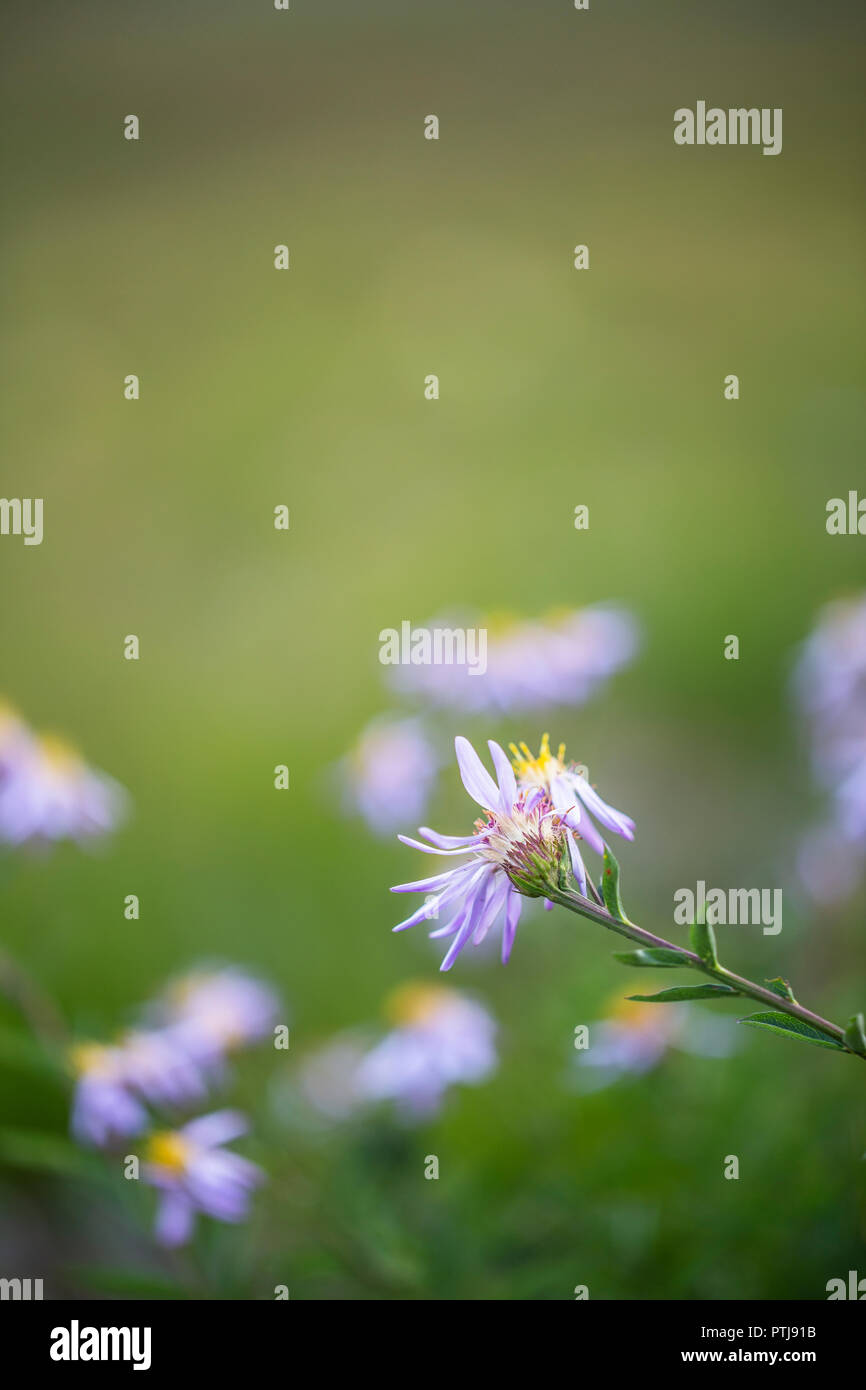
103,1107
560,659
195,1173
633,1037
389,773
112,1080
569,789
213,1012
439,1038
830,690
48,792
523,846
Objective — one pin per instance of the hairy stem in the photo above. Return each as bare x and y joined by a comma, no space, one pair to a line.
566,897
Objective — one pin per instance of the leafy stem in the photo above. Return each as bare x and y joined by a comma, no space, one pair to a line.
606,909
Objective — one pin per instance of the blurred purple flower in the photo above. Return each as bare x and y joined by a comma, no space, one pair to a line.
634,1037
389,774
48,793
531,663
195,1173
830,691
214,1012
103,1108
440,1039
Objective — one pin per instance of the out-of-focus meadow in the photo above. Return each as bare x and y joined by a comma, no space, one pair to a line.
260,647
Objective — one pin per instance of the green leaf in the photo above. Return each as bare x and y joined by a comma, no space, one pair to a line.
855,1034
610,887
660,956
20,1051
703,940
792,1028
672,996
782,988
43,1152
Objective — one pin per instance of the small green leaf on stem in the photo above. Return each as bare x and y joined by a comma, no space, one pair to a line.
792,1028
610,887
659,956
855,1035
782,988
672,996
703,940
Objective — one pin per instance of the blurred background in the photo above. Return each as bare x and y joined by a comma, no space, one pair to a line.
259,647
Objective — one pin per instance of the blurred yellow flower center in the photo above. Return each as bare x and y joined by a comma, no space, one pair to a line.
541,768
87,1059
168,1149
58,754
415,1003
631,1013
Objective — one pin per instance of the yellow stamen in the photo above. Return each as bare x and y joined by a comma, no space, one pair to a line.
537,768
167,1149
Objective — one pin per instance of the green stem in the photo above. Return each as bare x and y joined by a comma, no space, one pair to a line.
566,897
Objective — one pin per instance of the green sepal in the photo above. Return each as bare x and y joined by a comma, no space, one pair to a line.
855,1035
792,1028
661,956
672,996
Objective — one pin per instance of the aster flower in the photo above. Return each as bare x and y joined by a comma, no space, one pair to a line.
15,743
195,1173
48,793
103,1107
633,1038
213,1012
389,774
830,692
523,845
561,660
520,849
156,1063
572,795
440,1038
112,1080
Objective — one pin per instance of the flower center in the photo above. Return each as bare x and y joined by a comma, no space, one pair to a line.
168,1149
415,1003
540,769
89,1059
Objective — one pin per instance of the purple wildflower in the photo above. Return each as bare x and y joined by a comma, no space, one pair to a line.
195,1173
531,663
830,690
389,774
213,1012
634,1037
48,793
103,1107
441,1038
573,796
523,841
